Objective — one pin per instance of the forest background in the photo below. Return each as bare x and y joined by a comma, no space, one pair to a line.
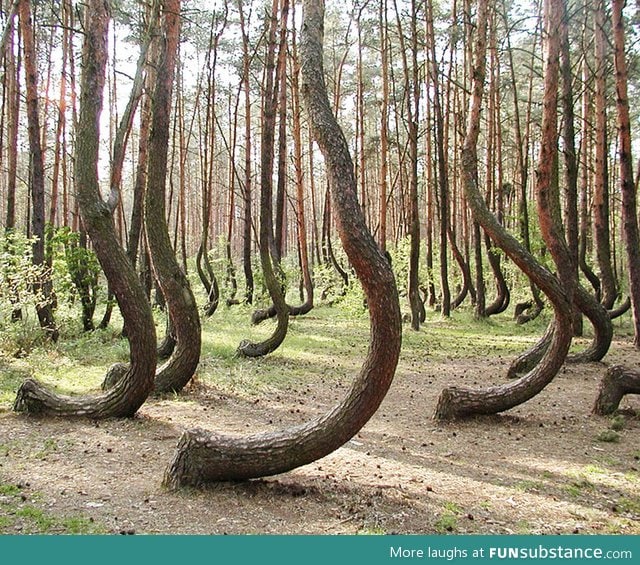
492,148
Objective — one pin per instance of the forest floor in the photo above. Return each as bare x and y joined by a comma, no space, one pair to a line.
547,467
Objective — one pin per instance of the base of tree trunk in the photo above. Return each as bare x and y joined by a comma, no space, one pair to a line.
114,374
617,383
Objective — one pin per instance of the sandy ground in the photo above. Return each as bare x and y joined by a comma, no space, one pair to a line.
538,469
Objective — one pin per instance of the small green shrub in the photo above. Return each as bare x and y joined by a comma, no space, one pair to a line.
618,423
608,436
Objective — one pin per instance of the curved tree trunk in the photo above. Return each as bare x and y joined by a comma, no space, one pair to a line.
173,283
459,401
621,309
616,383
596,313
202,457
168,344
132,390
274,287
464,269
503,296
530,310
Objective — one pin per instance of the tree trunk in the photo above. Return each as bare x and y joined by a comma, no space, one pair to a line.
307,281
601,194
267,261
412,93
570,158
503,295
248,179
44,286
586,304
459,401
203,457
173,283
132,390
384,126
616,383
443,182
627,184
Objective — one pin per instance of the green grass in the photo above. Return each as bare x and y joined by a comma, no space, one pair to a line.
630,505
579,487
618,423
608,436
446,523
9,490
527,485
21,514
329,343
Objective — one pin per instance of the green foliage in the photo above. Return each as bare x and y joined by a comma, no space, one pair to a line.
618,423
19,513
18,274
20,294
608,436
446,523
77,268
577,487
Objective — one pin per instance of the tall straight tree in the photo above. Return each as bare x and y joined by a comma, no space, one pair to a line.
248,177
627,184
384,125
443,176
601,205
36,172
412,94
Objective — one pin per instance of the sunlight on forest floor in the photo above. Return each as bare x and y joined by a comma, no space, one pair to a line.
548,466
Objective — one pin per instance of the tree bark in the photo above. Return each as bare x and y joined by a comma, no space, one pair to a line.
267,260
173,283
43,287
616,383
132,390
459,401
601,229
443,176
248,179
203,457
627,184
596,313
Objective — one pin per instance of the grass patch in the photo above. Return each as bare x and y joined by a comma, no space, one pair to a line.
9,490
608,436
328,343
618,423
19,516
448,520
528,486
446,523
629,505
579,487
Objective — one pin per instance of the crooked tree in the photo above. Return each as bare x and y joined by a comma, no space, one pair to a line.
203,457
132,389
461,401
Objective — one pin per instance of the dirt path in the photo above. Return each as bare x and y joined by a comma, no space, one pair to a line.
538,469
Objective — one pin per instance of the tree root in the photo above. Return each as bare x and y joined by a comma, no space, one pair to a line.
617,383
